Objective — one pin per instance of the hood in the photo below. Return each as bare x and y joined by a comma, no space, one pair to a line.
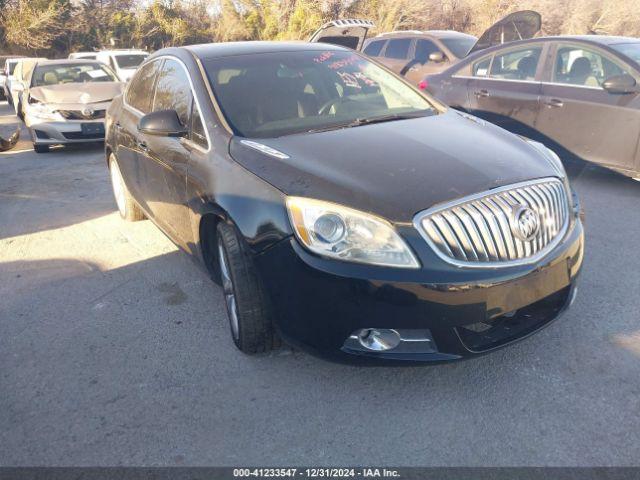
90,92
396,169
350,33
515,26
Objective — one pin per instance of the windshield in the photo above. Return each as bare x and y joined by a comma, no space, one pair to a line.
276,94
130,61
71,73
631,50
459,46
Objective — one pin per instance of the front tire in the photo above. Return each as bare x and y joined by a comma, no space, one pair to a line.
127,206
247,305
40,148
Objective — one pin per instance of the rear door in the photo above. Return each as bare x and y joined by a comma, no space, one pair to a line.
506,87
138,100
582,117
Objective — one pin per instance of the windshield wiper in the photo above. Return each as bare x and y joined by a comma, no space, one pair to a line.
368,121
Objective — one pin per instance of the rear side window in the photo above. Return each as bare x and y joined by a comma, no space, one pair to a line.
398,48
173,90
140,91
516,65
424,48
481,67
374,48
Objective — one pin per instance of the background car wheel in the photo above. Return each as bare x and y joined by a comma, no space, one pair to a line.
247,304
40,148
127,206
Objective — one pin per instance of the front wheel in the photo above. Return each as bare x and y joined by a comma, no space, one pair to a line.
127,206
246,302
40,148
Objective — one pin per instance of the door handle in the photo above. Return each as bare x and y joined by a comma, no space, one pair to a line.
554,102
481,93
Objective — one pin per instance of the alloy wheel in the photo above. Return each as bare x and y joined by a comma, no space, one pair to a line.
229,293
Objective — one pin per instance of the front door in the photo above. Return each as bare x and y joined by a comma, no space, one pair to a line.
421,65
582,117
165,159
505,90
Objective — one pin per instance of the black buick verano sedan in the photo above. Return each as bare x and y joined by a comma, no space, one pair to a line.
340,208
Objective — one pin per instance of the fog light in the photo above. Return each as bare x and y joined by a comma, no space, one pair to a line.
379,339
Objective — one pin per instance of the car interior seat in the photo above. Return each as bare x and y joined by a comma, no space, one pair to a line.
527,67
50,78
581,73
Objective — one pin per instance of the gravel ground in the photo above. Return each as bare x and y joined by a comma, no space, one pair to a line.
114,350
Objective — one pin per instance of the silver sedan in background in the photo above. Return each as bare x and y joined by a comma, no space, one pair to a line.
66,101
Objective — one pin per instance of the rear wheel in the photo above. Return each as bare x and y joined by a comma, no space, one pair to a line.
127,206
40,148
246,302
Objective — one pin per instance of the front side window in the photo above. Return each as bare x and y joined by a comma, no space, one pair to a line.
173,91
481,67
424,48
71,73
516,65
140,92
278,94
576,65
398,48
130,61
197,133
374,48
12,67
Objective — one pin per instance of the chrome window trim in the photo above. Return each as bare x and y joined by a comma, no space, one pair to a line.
193,94
417,223
471,77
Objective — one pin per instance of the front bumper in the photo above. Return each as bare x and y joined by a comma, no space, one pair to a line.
320,303
49,132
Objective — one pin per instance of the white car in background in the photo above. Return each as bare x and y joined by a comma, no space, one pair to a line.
83,55
17,82
5,72
67,100
123,62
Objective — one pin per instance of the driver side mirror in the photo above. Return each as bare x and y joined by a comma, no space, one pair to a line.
436,57
163,123
620,84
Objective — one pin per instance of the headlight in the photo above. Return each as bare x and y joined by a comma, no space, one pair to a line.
345,234
43,112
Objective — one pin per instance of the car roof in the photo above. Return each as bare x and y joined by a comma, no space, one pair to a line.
226,49
68,61
425,33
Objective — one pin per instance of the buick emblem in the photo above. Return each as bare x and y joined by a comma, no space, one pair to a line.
525,223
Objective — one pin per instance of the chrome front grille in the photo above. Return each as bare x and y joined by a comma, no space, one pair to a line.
80,115
501,227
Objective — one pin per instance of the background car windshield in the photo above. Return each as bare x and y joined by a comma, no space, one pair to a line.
459,46
291,92
12,67
129,61
71,73
631,50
